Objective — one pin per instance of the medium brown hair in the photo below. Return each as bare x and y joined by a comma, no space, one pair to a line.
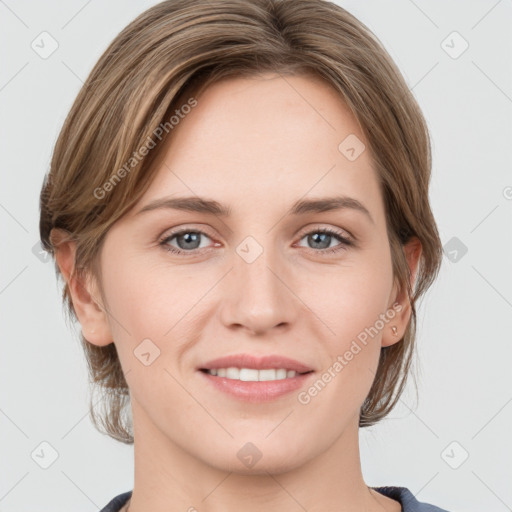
180,47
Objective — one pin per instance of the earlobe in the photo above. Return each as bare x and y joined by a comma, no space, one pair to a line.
395,329
83,290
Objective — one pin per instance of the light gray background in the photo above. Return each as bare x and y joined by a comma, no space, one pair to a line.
464,322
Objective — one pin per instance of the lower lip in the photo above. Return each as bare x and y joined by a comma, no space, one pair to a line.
261,391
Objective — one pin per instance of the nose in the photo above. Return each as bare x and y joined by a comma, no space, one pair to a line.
258,294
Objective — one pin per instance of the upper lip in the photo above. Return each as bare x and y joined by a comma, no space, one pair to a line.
256,362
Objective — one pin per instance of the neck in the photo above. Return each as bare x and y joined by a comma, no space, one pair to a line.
171,479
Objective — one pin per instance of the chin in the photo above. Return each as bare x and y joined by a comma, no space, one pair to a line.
259,458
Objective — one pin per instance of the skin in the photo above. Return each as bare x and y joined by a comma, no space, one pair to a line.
256,145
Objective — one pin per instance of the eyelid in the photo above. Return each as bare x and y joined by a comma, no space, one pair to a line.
184,228
323,227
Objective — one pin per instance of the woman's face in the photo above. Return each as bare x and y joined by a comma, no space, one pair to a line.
261,280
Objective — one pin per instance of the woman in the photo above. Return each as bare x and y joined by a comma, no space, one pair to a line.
238,206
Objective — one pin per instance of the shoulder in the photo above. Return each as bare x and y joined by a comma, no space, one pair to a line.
116,503
407,499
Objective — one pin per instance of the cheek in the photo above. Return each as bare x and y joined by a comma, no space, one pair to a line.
351,302
349,299
155,301
350,315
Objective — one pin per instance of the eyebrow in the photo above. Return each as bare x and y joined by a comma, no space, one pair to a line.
301,207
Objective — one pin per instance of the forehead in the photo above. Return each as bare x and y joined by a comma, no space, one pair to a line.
270,138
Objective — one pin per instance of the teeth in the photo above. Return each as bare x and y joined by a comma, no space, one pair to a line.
281,374
252,375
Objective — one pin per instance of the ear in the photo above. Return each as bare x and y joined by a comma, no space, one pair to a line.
84,291
400,301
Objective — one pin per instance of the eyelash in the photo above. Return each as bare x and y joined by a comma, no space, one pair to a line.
344,242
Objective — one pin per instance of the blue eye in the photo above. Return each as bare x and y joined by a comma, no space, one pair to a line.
322,238
189,241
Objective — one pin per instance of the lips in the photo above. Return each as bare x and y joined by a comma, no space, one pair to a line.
257,363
